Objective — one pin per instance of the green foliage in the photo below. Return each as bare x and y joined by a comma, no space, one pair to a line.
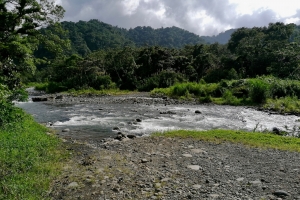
19,36
286,104
229,98
29,160
259,90
261,140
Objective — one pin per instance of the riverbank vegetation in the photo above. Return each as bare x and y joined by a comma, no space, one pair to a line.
30,159
252,139
258,66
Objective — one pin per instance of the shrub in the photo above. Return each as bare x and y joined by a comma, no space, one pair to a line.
229,98
259,90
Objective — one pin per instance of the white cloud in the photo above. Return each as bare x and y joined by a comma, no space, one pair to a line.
205,17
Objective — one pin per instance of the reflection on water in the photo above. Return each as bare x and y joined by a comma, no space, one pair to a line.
98,121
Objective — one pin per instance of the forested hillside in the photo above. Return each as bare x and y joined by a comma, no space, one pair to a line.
86,37
251,52
221,38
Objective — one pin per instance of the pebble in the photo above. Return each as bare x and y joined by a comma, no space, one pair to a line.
198,151
196,186
240,179
193,167
281,193
73,185
187,155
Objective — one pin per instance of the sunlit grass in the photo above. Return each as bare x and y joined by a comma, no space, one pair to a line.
29,160
253,139
99,92
284,105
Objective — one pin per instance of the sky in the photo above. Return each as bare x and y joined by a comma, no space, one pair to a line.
202,17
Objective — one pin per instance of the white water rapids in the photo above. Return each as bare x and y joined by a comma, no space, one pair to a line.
97,121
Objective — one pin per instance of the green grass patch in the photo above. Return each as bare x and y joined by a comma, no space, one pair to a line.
29,160
92,91
284,104
253,139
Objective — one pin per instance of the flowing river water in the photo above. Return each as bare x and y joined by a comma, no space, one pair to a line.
97,120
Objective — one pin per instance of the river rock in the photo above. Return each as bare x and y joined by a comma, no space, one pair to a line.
59,97
193,167
66,130
38,99
276,130
73,185
167,112
131,136
197,112
281,193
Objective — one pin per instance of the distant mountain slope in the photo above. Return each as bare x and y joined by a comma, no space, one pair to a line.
95,35
172,37
221,38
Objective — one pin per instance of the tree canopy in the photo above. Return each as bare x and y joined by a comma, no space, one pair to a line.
20,21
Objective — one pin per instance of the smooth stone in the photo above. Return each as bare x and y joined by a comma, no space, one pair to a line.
281,193
73,185
214,195
187,155
240,179
66,130
144,160
197,112
193,167
196,187
198,151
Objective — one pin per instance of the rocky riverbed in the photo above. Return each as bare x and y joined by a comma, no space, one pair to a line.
169,168
174,168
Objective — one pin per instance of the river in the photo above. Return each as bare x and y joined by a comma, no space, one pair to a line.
97,120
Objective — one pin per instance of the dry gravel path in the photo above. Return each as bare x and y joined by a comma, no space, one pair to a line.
167,168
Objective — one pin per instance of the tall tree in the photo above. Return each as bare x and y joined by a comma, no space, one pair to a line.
19,35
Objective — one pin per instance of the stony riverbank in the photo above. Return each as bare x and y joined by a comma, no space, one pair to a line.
166,168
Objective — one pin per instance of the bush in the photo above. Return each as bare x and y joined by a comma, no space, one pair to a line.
259,91
229,98
9,115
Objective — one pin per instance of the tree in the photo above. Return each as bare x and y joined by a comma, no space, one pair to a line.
20,21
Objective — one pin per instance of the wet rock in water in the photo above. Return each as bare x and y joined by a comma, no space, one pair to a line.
59,97
138,120
66,130
197,112
131,136
276,130
167,112
116,129
38,99
120,136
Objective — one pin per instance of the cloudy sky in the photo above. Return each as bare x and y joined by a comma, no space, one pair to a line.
203,17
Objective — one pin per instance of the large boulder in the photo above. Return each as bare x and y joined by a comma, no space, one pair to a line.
38,99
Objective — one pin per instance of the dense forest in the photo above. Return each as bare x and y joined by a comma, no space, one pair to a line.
92,61
86,37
